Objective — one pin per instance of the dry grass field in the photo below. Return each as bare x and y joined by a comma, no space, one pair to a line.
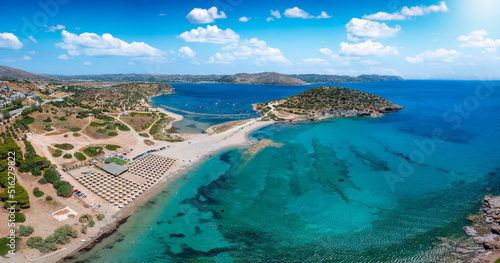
61,119
140,121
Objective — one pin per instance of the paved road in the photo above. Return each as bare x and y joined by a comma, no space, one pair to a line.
15,113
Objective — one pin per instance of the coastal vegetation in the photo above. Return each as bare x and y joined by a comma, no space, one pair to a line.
323,102
57,153
80,156
63,188
93,151
64,146
4,248
112,147
20,196
141,121
61,236
163,130
123,96
116,160
37,192
19,217
25,231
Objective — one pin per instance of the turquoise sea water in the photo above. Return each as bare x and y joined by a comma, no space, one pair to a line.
342,190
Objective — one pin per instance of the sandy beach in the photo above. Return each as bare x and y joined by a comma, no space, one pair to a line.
194,149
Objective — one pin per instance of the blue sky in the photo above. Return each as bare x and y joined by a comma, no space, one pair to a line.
415,39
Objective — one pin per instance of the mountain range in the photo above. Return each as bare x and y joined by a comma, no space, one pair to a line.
269,78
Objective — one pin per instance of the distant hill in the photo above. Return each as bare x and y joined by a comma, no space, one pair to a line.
13,73
261,78
315,78
269,78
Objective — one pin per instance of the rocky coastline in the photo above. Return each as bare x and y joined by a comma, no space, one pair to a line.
328,114
484,232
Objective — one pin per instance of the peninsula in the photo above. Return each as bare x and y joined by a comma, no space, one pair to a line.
324,102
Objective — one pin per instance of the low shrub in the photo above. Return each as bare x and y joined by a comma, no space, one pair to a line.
112,147
80,156
25,231
57,153
64,146
37,192
19,218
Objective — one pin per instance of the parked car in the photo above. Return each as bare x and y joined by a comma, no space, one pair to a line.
97,207
83,197
77,193
74,191
93,203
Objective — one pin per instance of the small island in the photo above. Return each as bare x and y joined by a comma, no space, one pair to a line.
324,102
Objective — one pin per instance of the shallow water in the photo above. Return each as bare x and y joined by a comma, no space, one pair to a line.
342,190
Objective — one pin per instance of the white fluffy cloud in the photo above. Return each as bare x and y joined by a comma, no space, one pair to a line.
326,51
87,63
367,48
244,19
91,44
276,13
409,12
247,49
299,13
211,34
186,52
54,28
9,41
361,29
439,56
32,39
63,57
315,61
477,39
204,16
269,19
323,15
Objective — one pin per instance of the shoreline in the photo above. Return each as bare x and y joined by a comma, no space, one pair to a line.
178,171
195,149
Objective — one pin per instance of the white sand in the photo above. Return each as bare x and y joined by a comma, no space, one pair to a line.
195,148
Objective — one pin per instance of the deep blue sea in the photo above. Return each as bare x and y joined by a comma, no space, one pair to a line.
342,190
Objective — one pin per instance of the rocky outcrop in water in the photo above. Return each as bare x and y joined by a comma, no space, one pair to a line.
485,231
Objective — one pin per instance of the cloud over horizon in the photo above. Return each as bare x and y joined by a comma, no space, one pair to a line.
210,34
91,44
409,12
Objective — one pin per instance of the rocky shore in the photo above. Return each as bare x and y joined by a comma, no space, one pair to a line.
327,114
485,232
